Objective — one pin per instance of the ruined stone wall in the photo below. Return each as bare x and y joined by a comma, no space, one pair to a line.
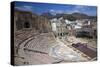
22,20
27,21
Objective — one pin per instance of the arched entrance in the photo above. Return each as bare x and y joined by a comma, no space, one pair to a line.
26,24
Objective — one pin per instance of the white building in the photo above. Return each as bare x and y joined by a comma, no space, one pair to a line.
58,26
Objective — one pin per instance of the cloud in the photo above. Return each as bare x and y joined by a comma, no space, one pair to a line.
28,7
72,11
78,9
54,12
82,8
25,8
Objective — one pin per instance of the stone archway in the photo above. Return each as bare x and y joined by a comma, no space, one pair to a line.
26,24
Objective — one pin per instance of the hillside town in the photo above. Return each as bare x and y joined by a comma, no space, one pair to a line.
42,40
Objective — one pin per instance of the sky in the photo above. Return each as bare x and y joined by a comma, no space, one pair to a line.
40,8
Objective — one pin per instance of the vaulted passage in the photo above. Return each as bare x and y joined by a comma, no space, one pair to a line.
26,24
